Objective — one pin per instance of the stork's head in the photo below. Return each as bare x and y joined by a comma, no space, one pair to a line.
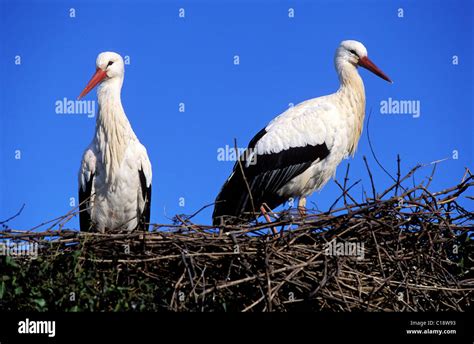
109,68
354,53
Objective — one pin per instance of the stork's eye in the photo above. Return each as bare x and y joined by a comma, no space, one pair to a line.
110,63
352,51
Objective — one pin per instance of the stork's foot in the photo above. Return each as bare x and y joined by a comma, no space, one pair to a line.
267,217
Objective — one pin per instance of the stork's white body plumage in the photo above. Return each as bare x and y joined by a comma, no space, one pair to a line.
298,152
296,128
115,174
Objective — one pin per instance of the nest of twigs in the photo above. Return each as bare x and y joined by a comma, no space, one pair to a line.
405,249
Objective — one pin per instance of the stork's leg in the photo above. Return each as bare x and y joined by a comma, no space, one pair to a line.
221,231
302,206
267,217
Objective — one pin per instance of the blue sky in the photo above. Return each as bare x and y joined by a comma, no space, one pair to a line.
190,60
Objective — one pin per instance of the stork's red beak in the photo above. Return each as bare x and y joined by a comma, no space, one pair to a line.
97,78
367,64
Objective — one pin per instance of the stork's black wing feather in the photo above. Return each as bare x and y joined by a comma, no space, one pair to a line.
84,198
265,177
144,221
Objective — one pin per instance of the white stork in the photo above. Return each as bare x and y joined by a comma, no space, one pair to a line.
299,151
115,174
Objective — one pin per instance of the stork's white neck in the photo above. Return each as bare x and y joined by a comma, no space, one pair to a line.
352,97
113,130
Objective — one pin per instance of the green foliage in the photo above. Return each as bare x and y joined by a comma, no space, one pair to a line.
66,282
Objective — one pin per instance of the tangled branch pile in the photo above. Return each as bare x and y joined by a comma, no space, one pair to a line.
406,249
